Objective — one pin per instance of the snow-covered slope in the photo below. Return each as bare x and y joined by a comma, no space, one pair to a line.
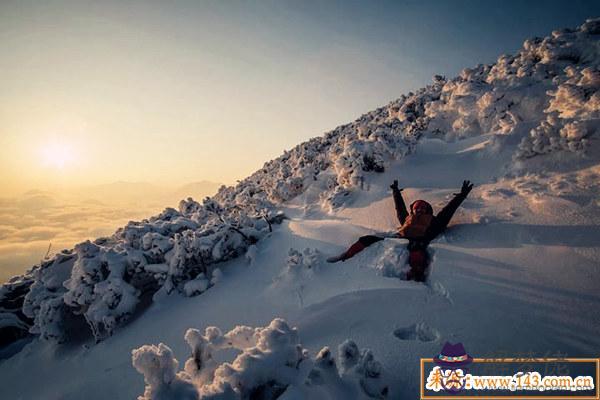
517,271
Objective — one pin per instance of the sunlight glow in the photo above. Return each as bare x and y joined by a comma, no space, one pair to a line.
58,155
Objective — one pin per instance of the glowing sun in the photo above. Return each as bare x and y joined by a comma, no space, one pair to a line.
58,155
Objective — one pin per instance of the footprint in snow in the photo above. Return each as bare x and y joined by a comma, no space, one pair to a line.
419,331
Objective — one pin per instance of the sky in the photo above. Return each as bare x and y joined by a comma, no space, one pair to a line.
181,91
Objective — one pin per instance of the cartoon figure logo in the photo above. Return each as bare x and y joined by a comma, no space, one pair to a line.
451,370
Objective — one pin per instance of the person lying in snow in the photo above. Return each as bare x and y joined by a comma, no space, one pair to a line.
420,227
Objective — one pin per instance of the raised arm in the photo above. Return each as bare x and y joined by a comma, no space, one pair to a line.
443,218
401,212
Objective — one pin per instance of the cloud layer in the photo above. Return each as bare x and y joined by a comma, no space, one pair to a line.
29,224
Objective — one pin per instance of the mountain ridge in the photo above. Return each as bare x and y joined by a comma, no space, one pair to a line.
537,107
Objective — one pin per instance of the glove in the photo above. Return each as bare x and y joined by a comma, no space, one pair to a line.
394,186
467,186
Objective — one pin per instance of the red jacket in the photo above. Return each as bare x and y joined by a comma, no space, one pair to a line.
438,223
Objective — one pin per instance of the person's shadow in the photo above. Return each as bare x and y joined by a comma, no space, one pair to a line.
507,235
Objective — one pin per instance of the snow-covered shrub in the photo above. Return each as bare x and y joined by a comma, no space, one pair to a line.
88,270
299,267
307,259
454,112
156,245
97,288
359,376
163,382
268,361
174,251
114,302
556,133
38,298
103,280
574,105
347,154
268,366
335,198
362,367
271,363
553,80
578,97
14,324
43,303
49,320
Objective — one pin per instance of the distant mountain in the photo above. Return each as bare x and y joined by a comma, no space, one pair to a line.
146,193
197,190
